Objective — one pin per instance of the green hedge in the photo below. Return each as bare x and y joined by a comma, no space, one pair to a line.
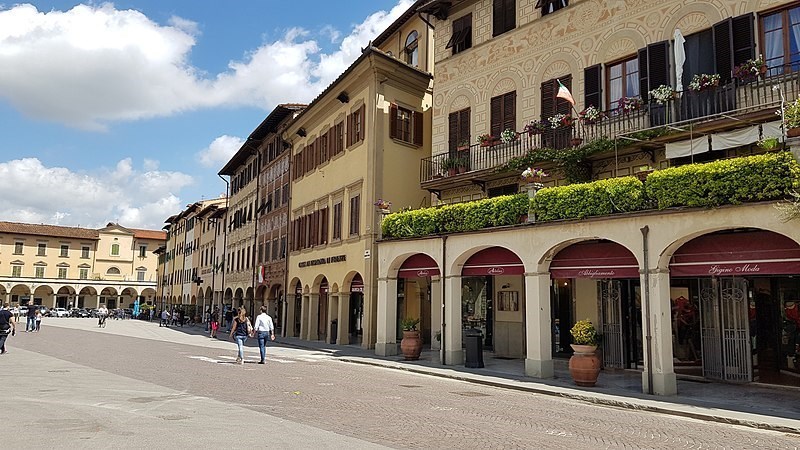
577,201
726,182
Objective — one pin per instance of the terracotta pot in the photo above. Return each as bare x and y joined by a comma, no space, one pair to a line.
584,365
462,169
451,171
793,132
411,345
576,142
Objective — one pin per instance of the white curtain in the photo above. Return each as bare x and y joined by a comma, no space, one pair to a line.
773,43
687,148
680,58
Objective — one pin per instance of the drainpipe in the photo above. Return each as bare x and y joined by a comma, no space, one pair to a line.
444,290
255,239
224,247
648,335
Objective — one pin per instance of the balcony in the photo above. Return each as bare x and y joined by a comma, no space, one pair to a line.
729,106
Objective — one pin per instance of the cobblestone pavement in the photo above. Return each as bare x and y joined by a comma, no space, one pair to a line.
387,407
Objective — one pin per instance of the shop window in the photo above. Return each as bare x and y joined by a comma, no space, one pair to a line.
504,16
461,39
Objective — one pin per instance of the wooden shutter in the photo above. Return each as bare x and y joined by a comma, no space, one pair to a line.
362,133
743,38
496,111
723,49
463,125
548,104
510,111
592,87
644,82
324,239
658,64
452,131
393,121
510,15
349,130
418,127
497,17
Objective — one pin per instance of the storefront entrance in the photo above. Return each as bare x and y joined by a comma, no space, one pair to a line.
322,311
356,310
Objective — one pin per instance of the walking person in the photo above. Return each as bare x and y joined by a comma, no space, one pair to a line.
39,316
229,317
8,327
30,325
240,330
102,314
264,329
164,319
214,322
15,312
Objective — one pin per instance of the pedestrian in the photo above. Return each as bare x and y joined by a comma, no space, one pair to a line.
39,316
7,327
30,325
214,322
264,329
164,318
181,317
229,317
102,314
240,330
15,312
208,317
152,310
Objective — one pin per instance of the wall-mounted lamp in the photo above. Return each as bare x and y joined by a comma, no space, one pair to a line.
301,132
343,97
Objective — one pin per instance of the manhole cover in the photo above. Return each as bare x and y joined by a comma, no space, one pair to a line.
470,394
409,386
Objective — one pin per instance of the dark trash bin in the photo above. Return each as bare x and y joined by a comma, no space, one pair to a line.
474,343
334,330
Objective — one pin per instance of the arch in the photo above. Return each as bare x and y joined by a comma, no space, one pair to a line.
88,290
594,259
614,45
318,281
493,261
113,271
353,278
148,292
249,293
411,49
2,290
737,252
129,291
209,293
262,291
275,291
239,294
711,11
228,294
459,261
44,289
108,291
410,265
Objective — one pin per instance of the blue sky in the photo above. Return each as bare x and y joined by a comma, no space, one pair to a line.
126,111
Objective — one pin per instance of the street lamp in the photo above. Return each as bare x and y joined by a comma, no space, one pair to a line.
198,281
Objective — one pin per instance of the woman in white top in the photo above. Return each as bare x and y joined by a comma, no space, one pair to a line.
264,328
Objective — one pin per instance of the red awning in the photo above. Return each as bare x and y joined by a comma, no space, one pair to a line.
737,254
594,260
493,261
357,285
419,265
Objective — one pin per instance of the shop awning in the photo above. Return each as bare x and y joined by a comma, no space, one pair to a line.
493,261
418,266
737,254
357,285
594,260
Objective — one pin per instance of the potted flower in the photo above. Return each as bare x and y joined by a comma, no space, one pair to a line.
584,365
411,345
560,121
383,205
703,82
662,94
463,145
591,115
535,127
508,135
533,175
768,143
486,140
750,70
461,164
629,104
791,118
449,166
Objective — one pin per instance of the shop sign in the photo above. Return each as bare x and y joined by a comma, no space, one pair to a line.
496,271
423,273
321,261
724,269
597,273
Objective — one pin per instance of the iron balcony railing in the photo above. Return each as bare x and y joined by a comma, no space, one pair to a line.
730,100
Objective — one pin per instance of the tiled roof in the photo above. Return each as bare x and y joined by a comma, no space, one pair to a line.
48,230
149,234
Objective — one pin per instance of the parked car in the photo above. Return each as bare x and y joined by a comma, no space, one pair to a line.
59,312
45,311
23,311
79,312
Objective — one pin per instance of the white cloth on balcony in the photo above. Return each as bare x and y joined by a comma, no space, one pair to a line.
680,58
725,140
687,147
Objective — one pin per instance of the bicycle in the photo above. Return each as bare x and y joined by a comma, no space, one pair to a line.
101,323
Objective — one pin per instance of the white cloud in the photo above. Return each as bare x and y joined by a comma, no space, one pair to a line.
219,151
92,65
124,194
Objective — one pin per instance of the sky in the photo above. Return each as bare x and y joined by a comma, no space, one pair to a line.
124,112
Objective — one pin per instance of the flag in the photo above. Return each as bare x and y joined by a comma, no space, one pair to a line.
564,93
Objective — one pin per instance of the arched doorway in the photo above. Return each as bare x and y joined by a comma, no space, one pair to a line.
65,298
493,300
298,308
322,310
598,280
20,294
355,321
108,296
275,302
414,299
735,298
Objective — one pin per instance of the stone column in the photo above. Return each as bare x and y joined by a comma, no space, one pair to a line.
343,333
660,312
290,314
453,353
436,312
333,310
538,323
313,317
304,316
387,317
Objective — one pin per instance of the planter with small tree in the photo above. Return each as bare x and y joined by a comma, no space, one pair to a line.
791,118
411,345
584,365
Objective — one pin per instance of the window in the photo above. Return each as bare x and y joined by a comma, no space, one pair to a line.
62,272
114,249
337,221
336,147
140,275
458,129
549,6
112,271
142,251
781,39
552,105
64,251
275,254
623,81
504,16
41,249
83,274
412,49
504,113
16,271
283,247
355,127
39,272
405,125
355,207
18,248
461,39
